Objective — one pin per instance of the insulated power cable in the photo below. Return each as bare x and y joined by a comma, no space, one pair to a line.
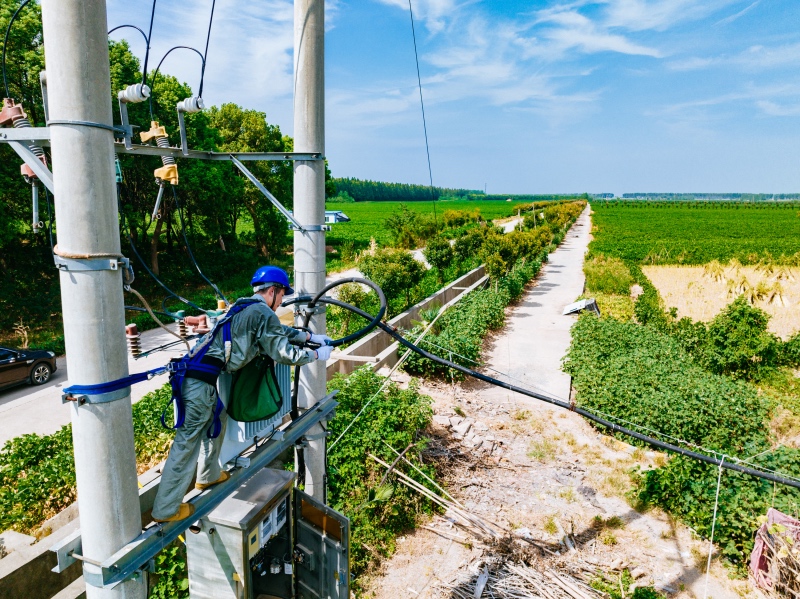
147,268
191,253
154,317
749,460
205,54
149,37
158,68
5,43
422,105
719,462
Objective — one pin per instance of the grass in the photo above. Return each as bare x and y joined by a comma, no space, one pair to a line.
542,451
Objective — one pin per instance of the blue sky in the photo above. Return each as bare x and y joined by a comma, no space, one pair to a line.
521,96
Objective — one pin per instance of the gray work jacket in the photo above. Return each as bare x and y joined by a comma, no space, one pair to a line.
257,330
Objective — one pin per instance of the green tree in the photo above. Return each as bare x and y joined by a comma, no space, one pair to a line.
395,271
243,130
439,253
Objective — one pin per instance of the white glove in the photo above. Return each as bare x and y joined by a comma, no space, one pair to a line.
324,352
320,339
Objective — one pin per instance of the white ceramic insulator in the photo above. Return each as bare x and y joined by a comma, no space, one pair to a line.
133,94
190,105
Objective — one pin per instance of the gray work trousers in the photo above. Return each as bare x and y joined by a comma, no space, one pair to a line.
191,442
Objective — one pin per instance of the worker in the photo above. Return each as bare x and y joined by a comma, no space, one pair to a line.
254,331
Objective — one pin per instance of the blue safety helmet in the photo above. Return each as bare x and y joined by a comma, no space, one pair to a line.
271,276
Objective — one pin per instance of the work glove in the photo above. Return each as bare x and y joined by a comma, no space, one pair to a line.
324,352
320,339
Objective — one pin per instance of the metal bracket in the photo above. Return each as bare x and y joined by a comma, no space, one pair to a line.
260,186
32,160
98,398
85,264
65,549
26,134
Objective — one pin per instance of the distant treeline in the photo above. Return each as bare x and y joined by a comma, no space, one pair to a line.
378,191
535,198
690,197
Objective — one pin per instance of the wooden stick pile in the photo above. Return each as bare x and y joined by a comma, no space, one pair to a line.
508,580
783,558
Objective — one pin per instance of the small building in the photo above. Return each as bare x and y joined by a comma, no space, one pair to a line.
336,216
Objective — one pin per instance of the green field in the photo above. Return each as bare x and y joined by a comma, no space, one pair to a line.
367,218
672,233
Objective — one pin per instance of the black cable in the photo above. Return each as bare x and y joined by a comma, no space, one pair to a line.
189,249
158,68
144,35
147,268
149,37
719,462
205,54
49,218
5,43
424,124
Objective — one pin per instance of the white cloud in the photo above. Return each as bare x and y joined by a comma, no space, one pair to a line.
570,29
659,15
433,13
741,13
755,58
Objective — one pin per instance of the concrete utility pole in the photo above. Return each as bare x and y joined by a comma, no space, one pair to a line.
76,52
309,205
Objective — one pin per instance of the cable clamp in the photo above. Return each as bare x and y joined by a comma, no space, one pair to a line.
87,264
304,310
71,123
82,399
310,228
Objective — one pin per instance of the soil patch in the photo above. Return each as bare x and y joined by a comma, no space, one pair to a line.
701,295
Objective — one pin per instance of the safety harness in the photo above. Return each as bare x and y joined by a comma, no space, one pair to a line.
195,364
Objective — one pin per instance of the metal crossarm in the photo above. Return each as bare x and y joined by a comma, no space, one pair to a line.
134,557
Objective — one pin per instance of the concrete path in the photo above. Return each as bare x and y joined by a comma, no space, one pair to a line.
537,335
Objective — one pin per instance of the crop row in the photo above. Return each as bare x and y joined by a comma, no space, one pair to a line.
673,234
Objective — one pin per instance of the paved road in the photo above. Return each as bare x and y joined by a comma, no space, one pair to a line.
27,409
537,330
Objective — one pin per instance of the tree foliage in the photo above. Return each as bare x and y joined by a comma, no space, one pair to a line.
377,191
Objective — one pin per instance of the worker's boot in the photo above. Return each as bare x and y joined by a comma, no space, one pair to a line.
184,511
222,478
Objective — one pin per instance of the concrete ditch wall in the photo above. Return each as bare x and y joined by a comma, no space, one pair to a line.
378,344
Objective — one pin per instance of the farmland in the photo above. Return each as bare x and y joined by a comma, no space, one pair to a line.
367,218
707,346
672,233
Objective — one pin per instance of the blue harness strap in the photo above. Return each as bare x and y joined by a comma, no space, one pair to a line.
101,388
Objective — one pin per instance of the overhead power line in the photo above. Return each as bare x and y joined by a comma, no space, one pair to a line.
422,106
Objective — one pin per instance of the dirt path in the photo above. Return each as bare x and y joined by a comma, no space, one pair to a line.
542,471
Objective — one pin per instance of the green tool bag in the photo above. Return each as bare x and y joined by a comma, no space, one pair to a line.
255,393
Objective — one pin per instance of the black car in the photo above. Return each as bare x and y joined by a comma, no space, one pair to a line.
25,365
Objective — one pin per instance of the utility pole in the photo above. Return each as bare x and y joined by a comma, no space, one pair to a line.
309,208
76,52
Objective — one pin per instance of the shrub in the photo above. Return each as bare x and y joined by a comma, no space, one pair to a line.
645,376
37,473
408,228
738,343
607,275
395,417
394,271
439,254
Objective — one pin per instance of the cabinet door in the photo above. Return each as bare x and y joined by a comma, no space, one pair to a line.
322,537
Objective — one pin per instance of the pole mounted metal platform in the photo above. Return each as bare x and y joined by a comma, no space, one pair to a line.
131,560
